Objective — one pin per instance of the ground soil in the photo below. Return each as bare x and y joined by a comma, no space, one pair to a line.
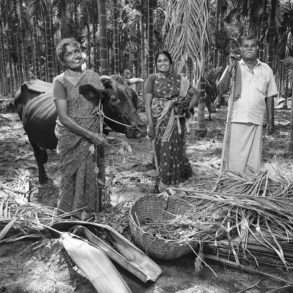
130,176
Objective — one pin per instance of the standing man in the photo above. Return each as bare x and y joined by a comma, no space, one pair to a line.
131,81
253,84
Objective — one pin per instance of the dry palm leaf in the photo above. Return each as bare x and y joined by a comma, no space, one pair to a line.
186,32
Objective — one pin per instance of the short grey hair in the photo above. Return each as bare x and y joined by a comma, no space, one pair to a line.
61,47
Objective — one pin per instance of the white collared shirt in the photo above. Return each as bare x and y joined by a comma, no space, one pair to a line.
256,85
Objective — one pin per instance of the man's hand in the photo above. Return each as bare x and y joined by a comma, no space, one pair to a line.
270,129
151,131
232,61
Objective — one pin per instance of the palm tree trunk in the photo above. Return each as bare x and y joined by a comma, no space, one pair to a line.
201,129
271,41
143,39
36,49
104,70
3,86
115,36
290,148
17,37
138,52
150,22
51,46
103,36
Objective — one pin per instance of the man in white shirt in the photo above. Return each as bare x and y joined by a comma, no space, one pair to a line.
131,81
254,82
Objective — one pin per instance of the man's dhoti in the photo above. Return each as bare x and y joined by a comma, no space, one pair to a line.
243,154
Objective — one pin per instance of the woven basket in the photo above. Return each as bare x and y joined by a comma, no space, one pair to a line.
150,207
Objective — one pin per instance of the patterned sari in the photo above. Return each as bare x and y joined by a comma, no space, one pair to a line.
78,188
169,138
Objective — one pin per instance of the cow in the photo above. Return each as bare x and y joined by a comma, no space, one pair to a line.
36,108
210,87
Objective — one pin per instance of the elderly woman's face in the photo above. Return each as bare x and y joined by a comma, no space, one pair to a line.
73,57
163,63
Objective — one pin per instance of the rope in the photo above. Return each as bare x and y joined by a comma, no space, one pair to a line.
100,112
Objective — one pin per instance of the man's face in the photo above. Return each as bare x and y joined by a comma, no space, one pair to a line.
127,74
249,49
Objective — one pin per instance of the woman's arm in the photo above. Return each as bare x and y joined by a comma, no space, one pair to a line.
59,94
148,97
195,94
148,108
61,105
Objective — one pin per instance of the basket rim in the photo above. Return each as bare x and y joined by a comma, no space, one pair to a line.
135,221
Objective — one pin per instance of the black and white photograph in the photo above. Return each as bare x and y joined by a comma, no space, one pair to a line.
146,146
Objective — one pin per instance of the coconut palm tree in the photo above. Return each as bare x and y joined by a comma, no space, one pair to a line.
43,10
103,36
187,23
116,17
151,5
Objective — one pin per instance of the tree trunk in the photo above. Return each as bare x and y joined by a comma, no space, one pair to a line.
17,37
271,41
115,37
201,130
36,53
24,57
96,48
3,86
143,38
104,70
150,21
290,148
103,36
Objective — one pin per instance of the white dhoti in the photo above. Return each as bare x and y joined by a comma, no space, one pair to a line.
243,154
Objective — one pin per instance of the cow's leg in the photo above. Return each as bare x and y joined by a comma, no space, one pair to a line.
209,106
41,158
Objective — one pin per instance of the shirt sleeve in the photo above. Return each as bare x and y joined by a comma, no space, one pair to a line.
59,91
272,87
149,84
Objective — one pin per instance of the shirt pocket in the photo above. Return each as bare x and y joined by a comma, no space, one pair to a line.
261,85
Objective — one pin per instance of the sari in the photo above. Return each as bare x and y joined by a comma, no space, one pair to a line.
78,187
168,106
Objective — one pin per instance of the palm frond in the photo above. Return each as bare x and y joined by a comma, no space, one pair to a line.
186,33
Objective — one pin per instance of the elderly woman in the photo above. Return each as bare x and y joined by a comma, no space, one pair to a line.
76,130
168,98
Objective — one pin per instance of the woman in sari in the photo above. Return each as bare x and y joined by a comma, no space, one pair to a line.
76,130
168,99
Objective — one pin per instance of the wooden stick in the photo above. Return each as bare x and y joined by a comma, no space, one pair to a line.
227,134
277,290
247,269
157,182
250,287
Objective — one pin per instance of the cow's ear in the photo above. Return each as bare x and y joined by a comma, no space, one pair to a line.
107,82
24,87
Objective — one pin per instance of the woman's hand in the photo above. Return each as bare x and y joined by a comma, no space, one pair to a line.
97,139
151,131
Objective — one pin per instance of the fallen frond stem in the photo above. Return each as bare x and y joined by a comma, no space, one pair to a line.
247,269
250,287
277,290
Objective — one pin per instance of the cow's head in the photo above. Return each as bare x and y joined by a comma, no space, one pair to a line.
117,105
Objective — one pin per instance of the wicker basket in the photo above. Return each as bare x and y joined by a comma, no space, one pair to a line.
150,208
